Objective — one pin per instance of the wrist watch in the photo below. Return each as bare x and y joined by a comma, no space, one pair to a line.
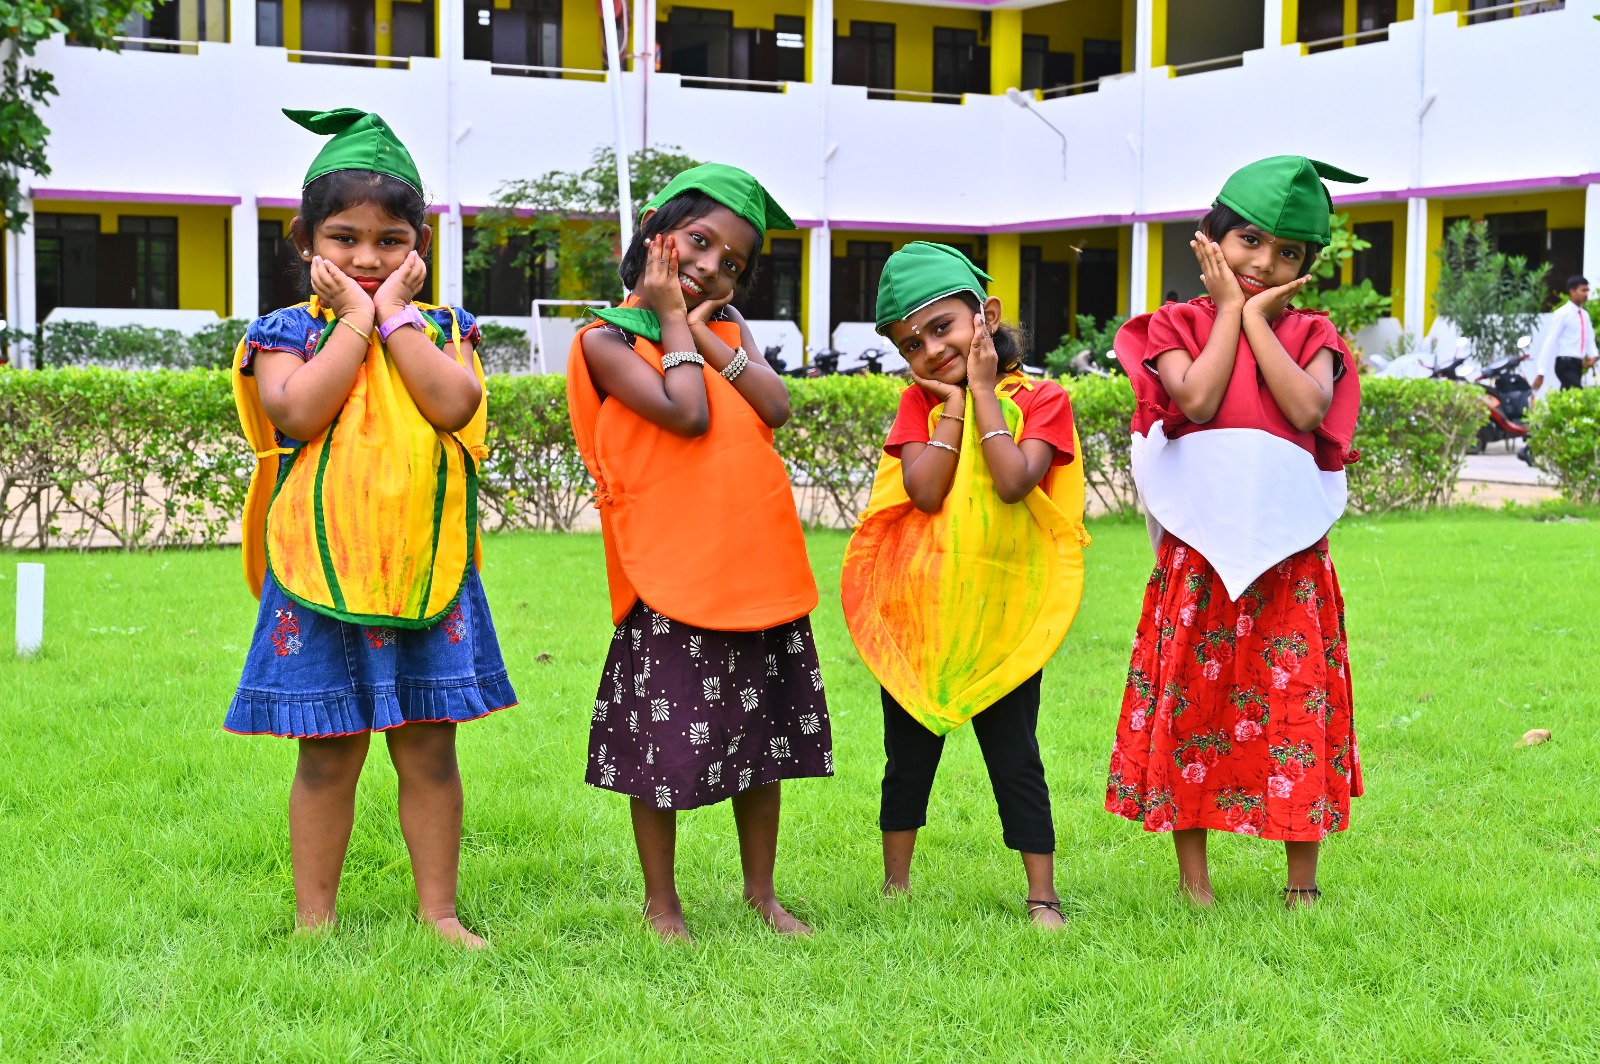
410,316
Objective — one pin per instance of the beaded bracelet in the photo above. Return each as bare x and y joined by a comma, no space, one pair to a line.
943,446
736,367
678,358
952,417
996,432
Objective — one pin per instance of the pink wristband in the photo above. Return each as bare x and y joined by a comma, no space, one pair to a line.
410,316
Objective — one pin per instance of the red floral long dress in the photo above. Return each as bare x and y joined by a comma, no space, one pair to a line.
1237,711
1237,715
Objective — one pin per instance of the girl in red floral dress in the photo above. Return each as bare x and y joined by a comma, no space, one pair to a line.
1237,712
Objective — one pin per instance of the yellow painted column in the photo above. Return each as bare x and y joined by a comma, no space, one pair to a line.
291,24
383,15
1155,295
1005,266
1351,23
1291,21
1130,16
1158,33
1005,51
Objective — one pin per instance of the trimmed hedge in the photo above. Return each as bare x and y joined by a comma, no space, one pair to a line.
1564,440
152,459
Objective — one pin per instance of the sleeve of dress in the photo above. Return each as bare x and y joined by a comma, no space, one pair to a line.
1338,428
1138,342
1049,418
465,320
910,420
291,329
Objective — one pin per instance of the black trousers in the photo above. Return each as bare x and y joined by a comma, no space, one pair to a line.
1008,735
1569,371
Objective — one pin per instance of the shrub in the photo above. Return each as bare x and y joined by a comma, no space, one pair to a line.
1564,439
834,439
1092,338
1102,408
533,477
503,348
1413,437
84,343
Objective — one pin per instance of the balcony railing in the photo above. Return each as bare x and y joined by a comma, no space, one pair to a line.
1074,89
697,81
572,73
158,44
1328,44
1479,15
380,62
1201,65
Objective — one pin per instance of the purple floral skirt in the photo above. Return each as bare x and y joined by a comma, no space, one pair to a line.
687,716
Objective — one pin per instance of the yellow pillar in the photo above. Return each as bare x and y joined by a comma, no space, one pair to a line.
1005,266
383,15
1351,21
1291,21
1130,14
1158,33
1005,51
291,24
1155,295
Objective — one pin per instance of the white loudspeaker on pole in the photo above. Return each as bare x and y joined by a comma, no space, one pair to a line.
30,607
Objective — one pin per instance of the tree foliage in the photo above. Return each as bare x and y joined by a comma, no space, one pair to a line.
571,216
26,89
1493,298
1351,307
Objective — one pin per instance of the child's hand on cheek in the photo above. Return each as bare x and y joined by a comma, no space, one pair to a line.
944,392
1274,301
983,364
1221,285
400,287
702,314
659,286
338,292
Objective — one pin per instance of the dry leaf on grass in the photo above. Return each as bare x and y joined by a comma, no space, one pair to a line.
543,659
1535,736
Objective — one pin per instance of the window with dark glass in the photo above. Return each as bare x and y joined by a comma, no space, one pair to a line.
411,28
278,268
1046,300
789,41
527,33
505,288
269,23
139,266
697,42
1101,59
66,261
1097,282
1376,263
854,284
866,57
775,293
959,64
346,27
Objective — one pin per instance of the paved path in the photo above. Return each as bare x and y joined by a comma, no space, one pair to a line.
1498,477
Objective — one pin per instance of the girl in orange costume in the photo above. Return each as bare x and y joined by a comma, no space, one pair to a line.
711,689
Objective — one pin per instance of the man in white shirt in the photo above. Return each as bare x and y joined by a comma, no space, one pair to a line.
1569,346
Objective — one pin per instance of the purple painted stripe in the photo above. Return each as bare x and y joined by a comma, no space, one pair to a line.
293,203
94,196
911,227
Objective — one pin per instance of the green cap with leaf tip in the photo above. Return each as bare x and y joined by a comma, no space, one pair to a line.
360,141
731,187
920,273
1285,196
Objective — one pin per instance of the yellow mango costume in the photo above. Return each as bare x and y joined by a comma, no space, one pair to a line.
952,610
374,521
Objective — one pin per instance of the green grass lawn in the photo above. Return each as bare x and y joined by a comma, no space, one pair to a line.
146,888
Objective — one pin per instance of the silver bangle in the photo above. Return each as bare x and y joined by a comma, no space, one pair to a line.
678,358
997,432
736,367
944,446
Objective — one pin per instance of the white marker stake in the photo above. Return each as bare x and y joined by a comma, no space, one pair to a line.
30,607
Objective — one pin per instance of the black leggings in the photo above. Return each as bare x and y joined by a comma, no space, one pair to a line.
1007,734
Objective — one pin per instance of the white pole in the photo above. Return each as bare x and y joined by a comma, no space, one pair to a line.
30,607
614,78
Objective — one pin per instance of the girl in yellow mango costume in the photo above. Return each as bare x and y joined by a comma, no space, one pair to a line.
966,569
366,413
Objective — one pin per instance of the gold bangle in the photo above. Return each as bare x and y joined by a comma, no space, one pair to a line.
952,417
365,336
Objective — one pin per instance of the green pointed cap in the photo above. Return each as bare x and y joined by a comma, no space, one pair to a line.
1285,196
920,273
731,187
360,141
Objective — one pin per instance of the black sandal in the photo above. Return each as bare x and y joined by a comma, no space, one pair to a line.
1304,896
1034,905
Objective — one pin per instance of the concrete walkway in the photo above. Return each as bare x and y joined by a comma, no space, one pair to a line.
1500,476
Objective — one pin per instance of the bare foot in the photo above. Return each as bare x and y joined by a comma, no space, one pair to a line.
1044,916
777,917
314,926
454,932
1198,895
896,888
667,922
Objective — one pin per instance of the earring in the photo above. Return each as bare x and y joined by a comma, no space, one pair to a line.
305,254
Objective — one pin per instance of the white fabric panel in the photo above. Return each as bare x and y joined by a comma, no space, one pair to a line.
1243,498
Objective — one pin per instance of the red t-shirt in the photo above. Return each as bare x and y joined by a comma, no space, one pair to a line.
1046,415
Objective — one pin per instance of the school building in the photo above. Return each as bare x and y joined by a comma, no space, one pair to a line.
873,123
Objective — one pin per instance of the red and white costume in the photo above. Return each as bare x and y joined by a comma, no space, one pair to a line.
1237,711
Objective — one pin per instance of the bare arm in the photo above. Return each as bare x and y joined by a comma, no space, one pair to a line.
676,400
303,398
1197,385
761,387
446,392
1303,395
1016,468
925,470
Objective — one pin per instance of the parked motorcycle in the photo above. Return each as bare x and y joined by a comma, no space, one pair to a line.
1508,394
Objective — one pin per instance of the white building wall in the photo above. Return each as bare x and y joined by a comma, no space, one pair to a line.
1146,144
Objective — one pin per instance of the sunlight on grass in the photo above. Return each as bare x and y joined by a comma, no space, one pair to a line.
147,889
